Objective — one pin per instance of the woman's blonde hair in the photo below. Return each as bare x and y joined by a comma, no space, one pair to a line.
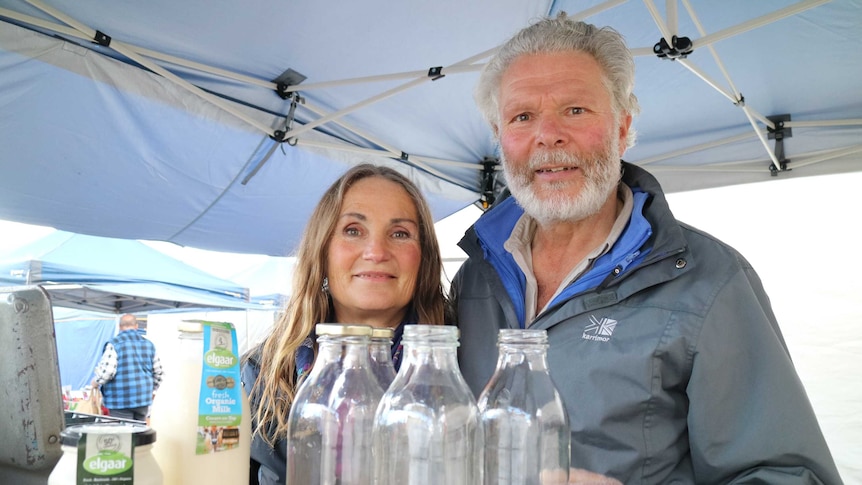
277,382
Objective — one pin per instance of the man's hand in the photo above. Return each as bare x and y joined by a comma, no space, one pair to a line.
579,476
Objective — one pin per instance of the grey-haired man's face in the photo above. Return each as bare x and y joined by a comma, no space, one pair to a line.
561,140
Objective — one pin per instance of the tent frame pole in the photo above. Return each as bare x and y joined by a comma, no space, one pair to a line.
669,27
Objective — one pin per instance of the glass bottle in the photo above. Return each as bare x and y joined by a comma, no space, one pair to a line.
188,451
525,423
380,351
331,419
427,428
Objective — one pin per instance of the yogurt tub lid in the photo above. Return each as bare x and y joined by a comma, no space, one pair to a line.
142,435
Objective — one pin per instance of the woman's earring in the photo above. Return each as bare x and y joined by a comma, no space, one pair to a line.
325,286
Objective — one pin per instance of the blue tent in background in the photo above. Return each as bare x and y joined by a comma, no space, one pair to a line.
269,281
81,338
116,276
92,279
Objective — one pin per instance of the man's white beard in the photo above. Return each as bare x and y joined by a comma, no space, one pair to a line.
601,174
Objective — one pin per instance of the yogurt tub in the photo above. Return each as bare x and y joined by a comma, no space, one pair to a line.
107,443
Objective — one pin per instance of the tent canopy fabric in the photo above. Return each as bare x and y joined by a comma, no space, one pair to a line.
116,276
269,281
81,338
219,128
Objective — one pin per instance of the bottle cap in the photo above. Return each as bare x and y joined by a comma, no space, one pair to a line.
381,332
346,329
191,326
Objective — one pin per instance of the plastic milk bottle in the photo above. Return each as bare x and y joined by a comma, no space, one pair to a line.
201,412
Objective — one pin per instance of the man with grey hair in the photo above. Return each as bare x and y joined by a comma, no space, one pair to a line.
662,339
129,372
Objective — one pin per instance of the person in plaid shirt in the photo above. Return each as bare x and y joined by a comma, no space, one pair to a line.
129,372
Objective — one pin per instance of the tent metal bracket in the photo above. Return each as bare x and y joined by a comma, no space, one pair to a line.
489,182
436,73
779,133
679,48
283,84
285,80
102,39
280,135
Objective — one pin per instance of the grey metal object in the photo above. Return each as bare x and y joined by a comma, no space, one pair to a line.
31,407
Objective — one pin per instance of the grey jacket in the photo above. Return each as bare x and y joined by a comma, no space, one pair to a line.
673,368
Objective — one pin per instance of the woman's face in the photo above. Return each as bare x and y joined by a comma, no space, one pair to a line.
374,254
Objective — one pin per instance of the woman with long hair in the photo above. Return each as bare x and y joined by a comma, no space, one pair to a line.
369,255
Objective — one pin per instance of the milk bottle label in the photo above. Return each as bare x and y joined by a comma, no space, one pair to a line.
220,405
105,458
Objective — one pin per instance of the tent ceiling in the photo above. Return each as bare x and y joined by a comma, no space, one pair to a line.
171,131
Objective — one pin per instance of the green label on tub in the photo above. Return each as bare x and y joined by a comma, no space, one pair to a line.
106,457
220,405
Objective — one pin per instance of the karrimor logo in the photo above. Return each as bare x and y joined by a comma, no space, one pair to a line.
599,329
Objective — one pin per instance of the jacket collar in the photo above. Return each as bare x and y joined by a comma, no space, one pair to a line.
670,240
640,244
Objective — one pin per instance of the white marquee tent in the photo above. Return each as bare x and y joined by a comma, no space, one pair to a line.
218,126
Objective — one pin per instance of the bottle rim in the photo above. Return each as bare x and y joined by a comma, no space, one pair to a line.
434,332
141,434
343,329
519,335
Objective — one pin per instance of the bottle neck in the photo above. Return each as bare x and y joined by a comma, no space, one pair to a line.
434,345
380,349
436,358
515,355
523,347
351,351
438,355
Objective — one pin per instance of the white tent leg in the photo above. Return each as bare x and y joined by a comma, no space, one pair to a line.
669,31
695,148
805,160
758,22
744,136
823,123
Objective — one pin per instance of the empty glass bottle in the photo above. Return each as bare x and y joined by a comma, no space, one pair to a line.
427,429
331,419
525,423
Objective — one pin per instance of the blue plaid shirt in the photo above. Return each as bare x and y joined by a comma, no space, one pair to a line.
129,371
